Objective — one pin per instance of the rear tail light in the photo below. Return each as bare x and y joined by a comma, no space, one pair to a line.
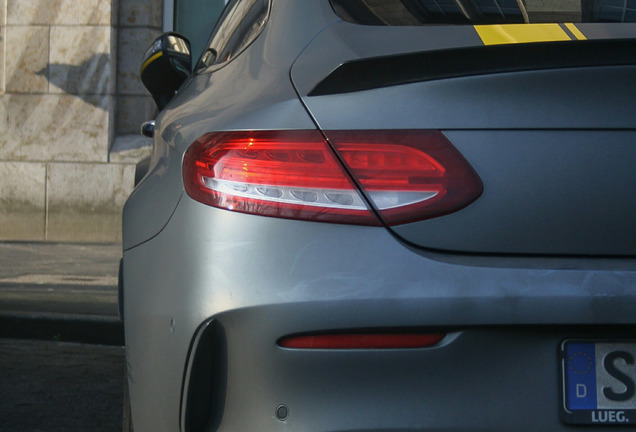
290,174
406,175
362,341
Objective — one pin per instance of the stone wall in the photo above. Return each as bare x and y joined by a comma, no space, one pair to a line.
70,108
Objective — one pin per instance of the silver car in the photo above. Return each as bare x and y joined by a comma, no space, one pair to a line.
389,215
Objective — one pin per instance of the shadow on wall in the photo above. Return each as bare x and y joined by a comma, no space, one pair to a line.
89,80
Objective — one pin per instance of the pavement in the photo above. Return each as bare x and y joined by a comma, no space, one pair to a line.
60,291
60,386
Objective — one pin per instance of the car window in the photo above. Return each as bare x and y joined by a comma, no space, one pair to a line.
195,18
241,22
423,12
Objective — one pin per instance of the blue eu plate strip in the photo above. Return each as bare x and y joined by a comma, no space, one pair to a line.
580,367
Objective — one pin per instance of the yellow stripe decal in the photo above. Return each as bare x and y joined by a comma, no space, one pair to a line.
521,33
150,60
575,31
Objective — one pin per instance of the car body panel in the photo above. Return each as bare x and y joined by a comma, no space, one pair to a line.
373,281
537,139
478,379
582,181
344,42
214,101
189,266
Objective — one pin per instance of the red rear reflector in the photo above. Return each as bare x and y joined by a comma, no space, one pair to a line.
363,341
407,175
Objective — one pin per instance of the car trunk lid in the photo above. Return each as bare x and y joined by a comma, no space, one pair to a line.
548,127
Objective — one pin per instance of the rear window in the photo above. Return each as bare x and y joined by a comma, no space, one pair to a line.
423,12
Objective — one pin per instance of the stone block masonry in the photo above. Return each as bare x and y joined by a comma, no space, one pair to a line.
70,108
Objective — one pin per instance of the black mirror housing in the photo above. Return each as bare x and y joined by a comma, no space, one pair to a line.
166,65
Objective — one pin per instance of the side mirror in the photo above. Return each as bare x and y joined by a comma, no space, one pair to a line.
166,65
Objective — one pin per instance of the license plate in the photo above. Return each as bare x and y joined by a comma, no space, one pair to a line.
598,382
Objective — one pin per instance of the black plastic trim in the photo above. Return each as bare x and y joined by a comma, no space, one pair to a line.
378,72
208,381
120,290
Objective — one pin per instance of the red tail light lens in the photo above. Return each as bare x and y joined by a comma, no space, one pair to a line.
406,175
289,174
362,341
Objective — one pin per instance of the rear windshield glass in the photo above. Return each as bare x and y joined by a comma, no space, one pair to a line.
422,12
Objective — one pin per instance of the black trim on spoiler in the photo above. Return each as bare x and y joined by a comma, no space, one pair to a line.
388,71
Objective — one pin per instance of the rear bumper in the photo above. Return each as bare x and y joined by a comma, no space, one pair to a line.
259,279
479,378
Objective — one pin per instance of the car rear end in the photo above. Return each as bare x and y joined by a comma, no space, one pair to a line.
445,242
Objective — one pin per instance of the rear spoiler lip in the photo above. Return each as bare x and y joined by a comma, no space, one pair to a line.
386,71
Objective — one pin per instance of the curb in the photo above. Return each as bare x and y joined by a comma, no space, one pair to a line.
86,329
